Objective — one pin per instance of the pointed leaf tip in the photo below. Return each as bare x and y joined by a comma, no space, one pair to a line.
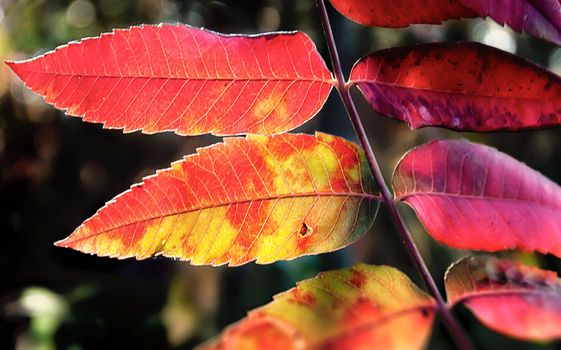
63,243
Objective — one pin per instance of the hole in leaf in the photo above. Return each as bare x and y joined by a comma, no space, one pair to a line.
304,230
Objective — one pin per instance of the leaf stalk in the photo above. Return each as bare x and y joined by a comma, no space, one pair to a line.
455,330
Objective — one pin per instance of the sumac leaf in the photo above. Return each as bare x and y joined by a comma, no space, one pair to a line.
520,301
472,196
401,13
460,86
355,308
541,18
261,197
183,79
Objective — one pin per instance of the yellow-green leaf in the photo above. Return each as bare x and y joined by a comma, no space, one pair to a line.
363,307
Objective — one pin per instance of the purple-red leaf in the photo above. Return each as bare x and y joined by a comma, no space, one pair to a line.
401,13
520,301
460,86
541,18
472,196
183,79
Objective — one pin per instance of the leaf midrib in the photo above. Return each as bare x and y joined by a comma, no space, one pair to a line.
374,323
223,204
471,196
450,92
512,292
263,78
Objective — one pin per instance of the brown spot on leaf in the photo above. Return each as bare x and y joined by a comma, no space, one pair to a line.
425,312
357,279
303,297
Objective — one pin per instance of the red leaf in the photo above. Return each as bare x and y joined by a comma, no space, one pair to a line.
263,198
472,196
541,18
183,79
520,301
401,13
460,86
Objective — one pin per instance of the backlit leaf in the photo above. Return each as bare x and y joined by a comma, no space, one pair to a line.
183,79
261,197
401,13
520,301
541,18
363,307
472,196
460,86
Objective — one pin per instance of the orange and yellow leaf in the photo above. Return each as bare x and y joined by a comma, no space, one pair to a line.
263,198
363,307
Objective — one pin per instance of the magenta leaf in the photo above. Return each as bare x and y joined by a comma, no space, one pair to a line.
472,196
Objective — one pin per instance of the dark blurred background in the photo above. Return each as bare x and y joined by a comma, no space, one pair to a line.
56,171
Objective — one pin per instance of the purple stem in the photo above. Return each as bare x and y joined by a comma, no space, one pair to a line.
453,327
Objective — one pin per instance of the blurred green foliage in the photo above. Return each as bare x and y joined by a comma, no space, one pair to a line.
55,171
